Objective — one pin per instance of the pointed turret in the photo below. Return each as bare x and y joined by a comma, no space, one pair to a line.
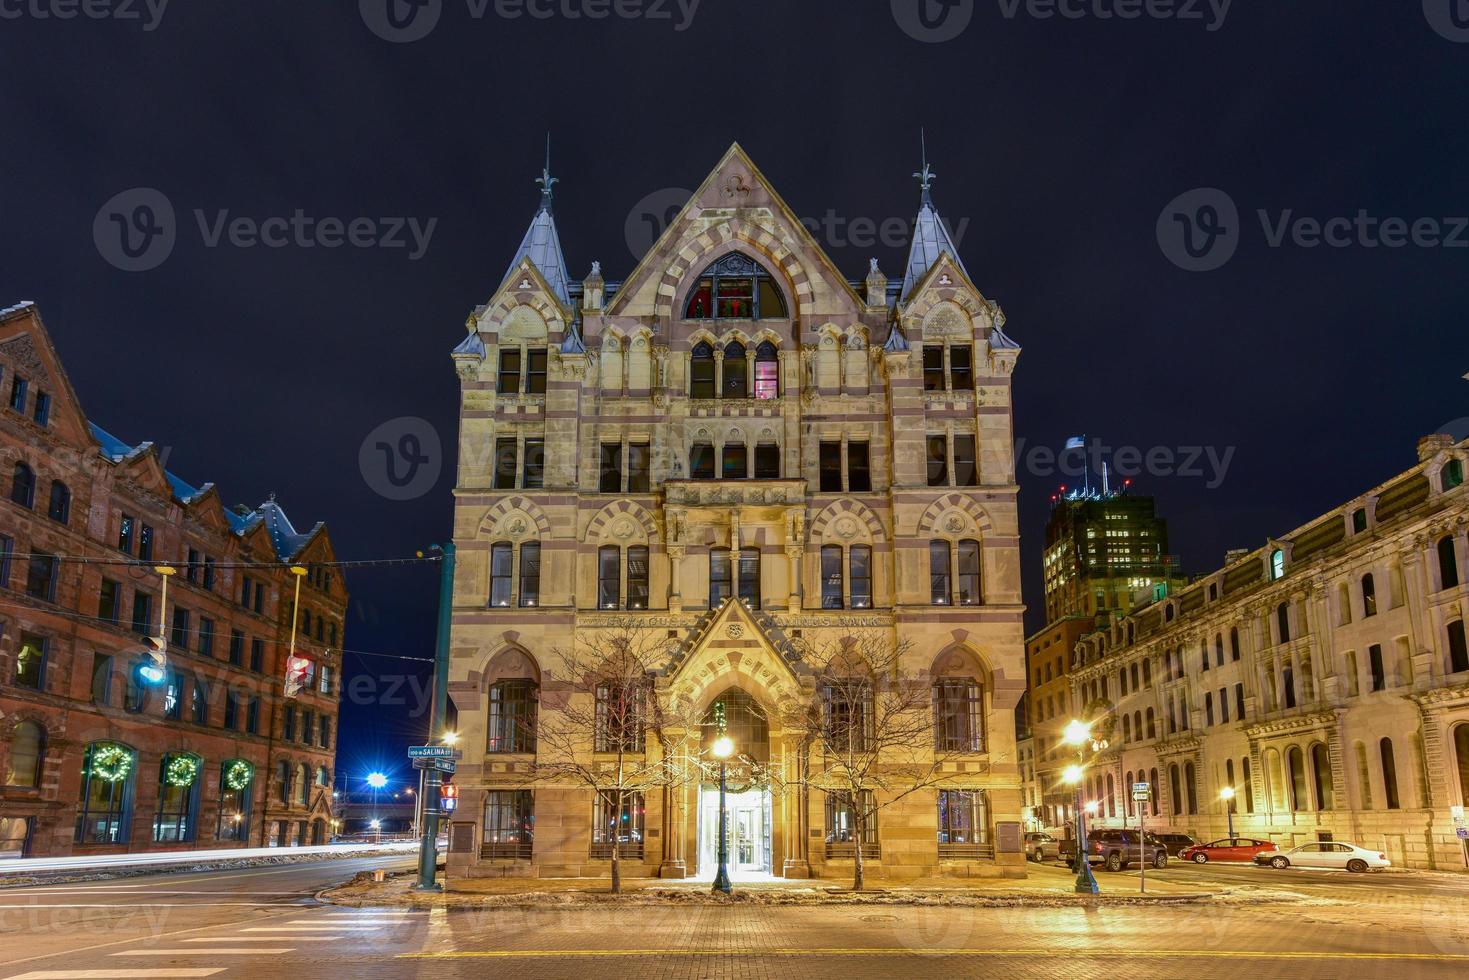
930,235
542,245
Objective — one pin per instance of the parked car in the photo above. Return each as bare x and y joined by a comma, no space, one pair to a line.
1042,847
1116,849
1227,849
1175,843
1325,854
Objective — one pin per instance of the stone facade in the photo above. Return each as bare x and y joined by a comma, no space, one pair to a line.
1048,708
1324,677
72,637
828,366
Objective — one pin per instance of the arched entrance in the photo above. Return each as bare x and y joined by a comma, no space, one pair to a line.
749,816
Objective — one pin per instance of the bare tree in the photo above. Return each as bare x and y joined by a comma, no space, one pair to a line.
872,732
604,725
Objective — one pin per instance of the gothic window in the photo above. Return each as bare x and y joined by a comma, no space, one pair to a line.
701,461
502,570
512,716
509,380
735,288
735,464
938,572
749,577
969,577
609,577
637,577
530,573
720,573
767,461
831,577
860,561
958,712
735,381
767,371
701,374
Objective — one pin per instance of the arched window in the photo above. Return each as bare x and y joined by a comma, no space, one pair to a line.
179,775
1461,755
1234,643
23,485
1218,650
1190,787
970,593
767,371
1458,649
1127,792
1282,621
736,382
701,371
27,756
938,572
859,558
701,461
59,510
283,781
1389,774
1137,725
1148,672
323,778
735,288
236,777
106,794
1277,564
530,574
1176,791
1111,796
502,572
609,577
512,716
1452,475
831,577
303,784
1448,564
1296,767
1321,770
1369,596
1152,726
1153,782
1244,773
958,704
744,721
735,464
721,584
1126,728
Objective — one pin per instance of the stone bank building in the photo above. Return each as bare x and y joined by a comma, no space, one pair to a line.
735,446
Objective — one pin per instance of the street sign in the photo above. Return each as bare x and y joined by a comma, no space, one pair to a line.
442,765
431,752
1142,792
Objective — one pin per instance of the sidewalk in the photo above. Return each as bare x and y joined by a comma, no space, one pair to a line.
1044,886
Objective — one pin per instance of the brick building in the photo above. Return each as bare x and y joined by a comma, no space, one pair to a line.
737,447
95,757
1323,677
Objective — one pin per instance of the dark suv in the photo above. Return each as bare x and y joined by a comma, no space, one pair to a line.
1116,849
1175,843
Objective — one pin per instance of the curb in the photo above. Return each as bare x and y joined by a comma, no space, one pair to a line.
43,878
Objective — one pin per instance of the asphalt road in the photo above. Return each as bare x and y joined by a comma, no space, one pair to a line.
264,923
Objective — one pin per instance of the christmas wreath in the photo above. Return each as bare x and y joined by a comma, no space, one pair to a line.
238,774
111,763
181,770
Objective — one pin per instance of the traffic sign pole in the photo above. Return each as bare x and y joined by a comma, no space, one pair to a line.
428,848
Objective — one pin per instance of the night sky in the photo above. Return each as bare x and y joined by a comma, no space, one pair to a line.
1059,145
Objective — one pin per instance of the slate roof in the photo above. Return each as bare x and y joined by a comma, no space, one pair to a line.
284,537
542,246
931,239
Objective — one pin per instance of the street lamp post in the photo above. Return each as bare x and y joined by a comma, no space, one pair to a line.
377,781
1227,795
1078,733
722,748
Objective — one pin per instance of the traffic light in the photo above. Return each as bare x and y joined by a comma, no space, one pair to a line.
448,796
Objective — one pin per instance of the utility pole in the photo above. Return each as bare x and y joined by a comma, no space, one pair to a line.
428,850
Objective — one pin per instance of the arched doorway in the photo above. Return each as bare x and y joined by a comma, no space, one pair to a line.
748,813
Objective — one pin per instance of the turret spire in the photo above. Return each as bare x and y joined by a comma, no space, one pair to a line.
931,236
542,245
926,176
545,179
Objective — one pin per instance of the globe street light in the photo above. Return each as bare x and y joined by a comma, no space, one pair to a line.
1227,795
1078,733
722,749
377,781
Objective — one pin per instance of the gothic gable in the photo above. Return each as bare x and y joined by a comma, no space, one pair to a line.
735,646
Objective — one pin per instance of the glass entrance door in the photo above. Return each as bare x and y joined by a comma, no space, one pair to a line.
748,830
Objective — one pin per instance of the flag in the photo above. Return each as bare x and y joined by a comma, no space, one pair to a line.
1076,442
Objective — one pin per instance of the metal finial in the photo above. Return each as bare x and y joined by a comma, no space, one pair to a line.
545,179
926,176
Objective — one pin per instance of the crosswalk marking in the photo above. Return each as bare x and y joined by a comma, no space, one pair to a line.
217,951
115,974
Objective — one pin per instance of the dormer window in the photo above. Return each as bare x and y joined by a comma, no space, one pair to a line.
1277,565
735,288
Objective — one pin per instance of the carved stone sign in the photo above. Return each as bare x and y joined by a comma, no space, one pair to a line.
1008,838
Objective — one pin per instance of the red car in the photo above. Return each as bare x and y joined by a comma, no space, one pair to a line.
1241,849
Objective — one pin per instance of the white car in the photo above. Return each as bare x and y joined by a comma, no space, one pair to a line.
1325,854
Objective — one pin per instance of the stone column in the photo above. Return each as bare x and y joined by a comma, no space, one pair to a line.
718,373
749,372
